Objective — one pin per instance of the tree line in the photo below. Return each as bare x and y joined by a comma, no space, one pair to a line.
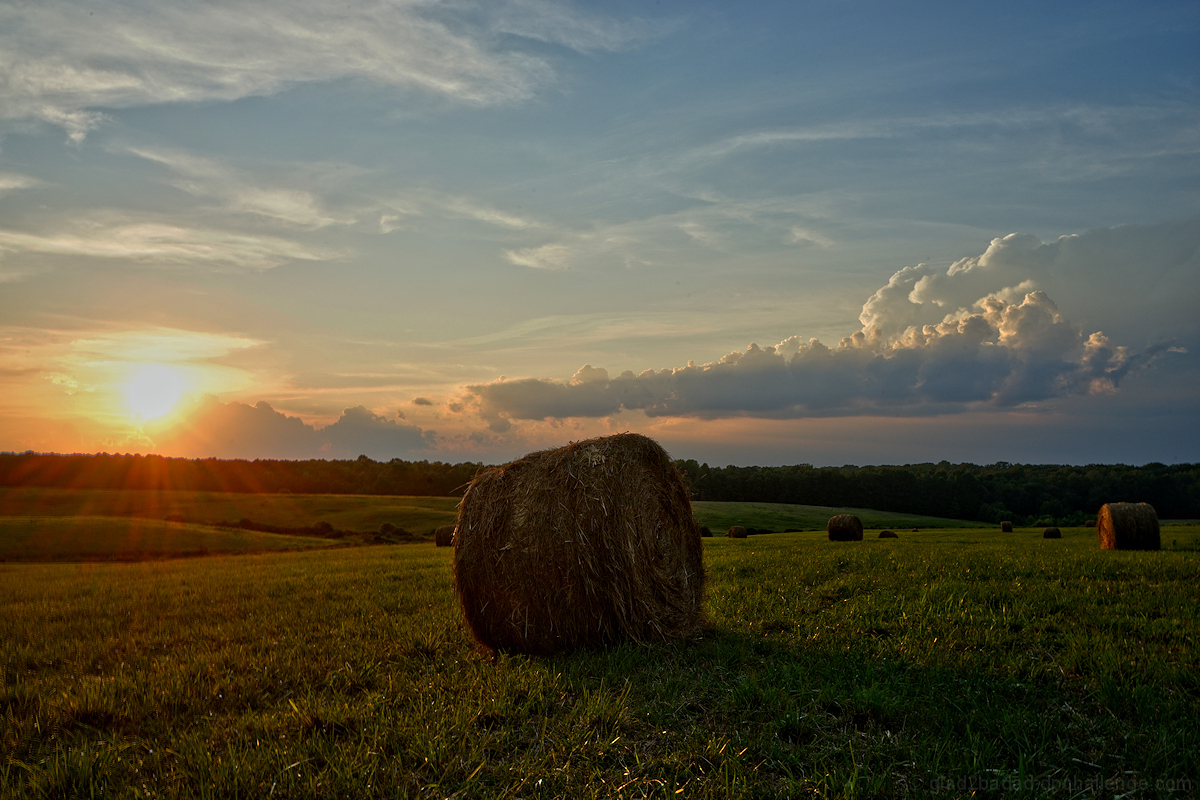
1023,493
1026,494
315,476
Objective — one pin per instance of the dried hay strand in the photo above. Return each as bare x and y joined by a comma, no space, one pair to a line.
584,545
736,532
845,528
1006,527
1052,533
443,536
888,535
1128,526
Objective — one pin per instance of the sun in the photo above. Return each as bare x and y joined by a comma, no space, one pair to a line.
151,391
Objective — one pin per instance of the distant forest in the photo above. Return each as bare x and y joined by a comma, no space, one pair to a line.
1024,494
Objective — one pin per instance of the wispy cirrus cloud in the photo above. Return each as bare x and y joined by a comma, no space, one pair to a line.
11,182
399,212
162,244
209,178
65,62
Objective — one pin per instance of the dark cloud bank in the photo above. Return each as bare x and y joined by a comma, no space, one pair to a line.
982,334
237,430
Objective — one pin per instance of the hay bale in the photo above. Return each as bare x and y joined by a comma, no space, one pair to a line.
705,531
1128,526
1006,527
1091,523
584,545
443,536
1052,533
736,532
845,528
916,530
888,535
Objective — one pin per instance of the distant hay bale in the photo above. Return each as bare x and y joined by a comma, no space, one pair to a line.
584,545
916,530
1128,526
1091,523
845,528
1006,527
888,535
705,531
1052,533
443,536
736,532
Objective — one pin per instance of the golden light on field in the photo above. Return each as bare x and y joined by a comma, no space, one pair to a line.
153,390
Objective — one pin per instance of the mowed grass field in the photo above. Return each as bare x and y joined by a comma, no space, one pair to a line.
363,513
943,663
131,539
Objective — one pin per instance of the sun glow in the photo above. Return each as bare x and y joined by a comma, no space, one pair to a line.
153,390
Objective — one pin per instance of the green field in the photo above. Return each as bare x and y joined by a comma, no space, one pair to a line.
130,539
719,517
935,664
363,513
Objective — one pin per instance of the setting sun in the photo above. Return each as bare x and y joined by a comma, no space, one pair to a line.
153,390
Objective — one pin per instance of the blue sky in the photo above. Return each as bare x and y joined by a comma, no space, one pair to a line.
468,230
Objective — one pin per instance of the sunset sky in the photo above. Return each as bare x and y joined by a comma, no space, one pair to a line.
766,233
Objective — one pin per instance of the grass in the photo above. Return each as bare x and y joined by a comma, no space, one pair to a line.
720,516
130,539
931,665
344,512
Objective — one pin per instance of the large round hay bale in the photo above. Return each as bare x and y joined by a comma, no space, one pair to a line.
1128,526
585,545
1006,527
736,532
845,528
888,535
1052,533
705,531
1091,523
443,536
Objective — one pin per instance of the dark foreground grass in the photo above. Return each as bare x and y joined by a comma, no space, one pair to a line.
931,665
130,539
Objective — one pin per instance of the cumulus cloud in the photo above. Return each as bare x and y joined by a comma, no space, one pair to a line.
62,61
210,428
979,334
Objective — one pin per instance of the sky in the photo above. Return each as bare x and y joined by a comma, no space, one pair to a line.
774,233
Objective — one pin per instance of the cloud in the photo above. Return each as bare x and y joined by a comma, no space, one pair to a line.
208,178
10,182
980,334
164,244
551,257
63,61
212,429
361,432
396,213
558,23
1091,272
